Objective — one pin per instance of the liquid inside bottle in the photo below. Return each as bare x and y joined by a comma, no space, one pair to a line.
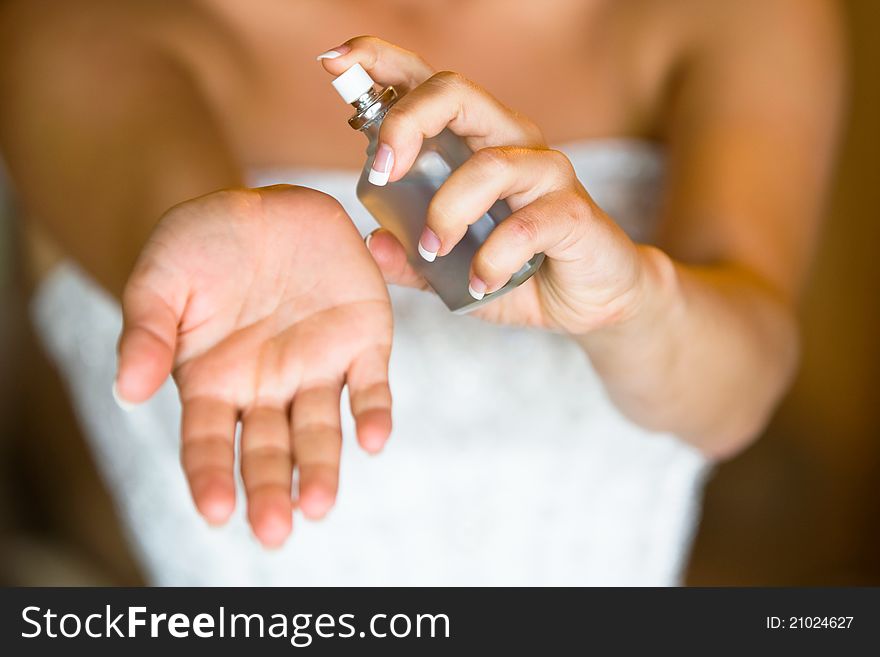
401,207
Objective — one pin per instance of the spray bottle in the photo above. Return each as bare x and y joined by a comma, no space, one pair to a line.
401,207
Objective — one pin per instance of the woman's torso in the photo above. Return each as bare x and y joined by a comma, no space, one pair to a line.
587,69
535,478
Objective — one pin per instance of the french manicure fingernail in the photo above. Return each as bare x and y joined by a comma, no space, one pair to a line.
338,51
367,240
429,244
382,164
123,404
477,288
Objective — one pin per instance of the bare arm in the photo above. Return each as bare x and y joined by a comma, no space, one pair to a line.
698,337
752,132
102,129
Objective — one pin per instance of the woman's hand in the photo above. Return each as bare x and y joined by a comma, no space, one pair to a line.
264,303
592,274
701,347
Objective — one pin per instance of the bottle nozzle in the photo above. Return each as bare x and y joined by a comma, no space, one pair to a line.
353,84
356,88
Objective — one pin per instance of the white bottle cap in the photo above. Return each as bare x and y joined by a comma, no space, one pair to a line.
353,84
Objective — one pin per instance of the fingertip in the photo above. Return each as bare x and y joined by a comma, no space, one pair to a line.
144,364
328,59
215,502
491,269
382,235
384,247
382,243
315,501
373,429
271,520
390,257
328,54
134,386
477,288
427,256
123,403
430,245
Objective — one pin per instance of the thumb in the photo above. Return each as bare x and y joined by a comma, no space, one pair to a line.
390,257
151,312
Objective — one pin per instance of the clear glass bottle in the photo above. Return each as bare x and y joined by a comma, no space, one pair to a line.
401,207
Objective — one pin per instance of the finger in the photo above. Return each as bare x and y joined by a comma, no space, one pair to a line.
386,63
317,440
550,225
370,398
267,469
207,455
447,100
151,311
519,175
390,257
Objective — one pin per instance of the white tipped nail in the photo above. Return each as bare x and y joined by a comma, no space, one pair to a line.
367,240
383,162
124,405
476,295
430,256
330,54
379,178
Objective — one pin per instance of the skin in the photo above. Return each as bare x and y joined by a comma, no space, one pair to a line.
254,345
694,335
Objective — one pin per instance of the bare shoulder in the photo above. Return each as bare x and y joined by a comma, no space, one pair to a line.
774,58
32,31
85,54
770,35
24,22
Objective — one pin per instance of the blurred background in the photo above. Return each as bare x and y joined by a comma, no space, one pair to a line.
801,507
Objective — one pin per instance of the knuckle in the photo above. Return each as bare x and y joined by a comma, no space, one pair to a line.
365,40
261,454
421,61
329,203
234,201
399,120
371,46
562,166
493,160
487,265
200,452
574,208
439,213
449,78
316,202
570,210
317,199
135,286
493,260
521,231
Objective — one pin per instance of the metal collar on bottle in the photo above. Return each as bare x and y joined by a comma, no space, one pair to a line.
371,106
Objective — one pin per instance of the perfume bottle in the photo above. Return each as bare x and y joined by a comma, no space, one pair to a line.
401,207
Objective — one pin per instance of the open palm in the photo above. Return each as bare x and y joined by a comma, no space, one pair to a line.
263,303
